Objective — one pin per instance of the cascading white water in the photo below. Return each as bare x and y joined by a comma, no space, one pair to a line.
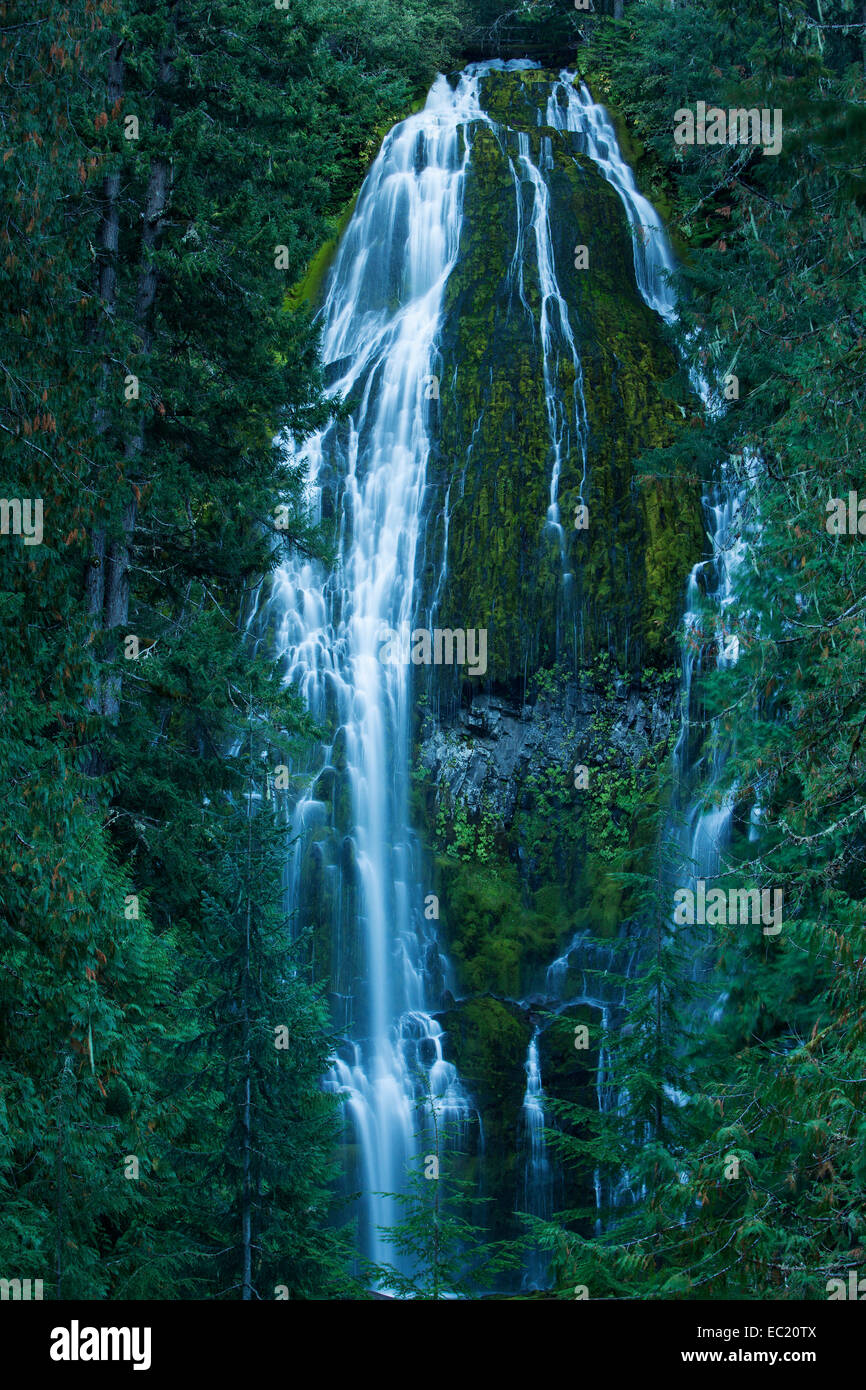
571,107
707,825
379,328
709,591
380,325
567,428
537,1170
710,584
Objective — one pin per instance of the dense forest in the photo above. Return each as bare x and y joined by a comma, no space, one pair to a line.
322,983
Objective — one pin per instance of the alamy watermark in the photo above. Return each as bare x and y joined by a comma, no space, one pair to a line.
736,907
855,1289
21,1289
77,1343
22,516
711,125
846,516
438,646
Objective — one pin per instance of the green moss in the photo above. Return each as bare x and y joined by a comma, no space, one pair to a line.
488,1041
464,836
310,288
505,568
674,540
562,861
496,938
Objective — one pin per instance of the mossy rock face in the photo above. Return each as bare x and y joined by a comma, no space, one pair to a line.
488,1039
495,937
507,568
533,813
569,1071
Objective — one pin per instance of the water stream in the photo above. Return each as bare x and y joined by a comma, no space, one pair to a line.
380,322
355,858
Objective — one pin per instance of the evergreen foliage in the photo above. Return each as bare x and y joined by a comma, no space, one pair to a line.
170,167
773,250
151,230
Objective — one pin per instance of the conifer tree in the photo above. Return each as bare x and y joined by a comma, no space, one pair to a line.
443,1251
777,293
633,1144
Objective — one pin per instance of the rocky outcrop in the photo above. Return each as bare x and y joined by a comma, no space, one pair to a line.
483,757
535,782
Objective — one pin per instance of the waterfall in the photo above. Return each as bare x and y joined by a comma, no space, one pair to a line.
570,107
555,332
380,322
709,591
355,858
356,874
536,1192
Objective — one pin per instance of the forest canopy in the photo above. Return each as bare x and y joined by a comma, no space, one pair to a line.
175,174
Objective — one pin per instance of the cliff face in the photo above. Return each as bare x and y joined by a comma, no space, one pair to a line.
529,780
531,916
507,400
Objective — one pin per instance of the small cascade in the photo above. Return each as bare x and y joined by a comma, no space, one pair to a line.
567,426
605,968
592,971
706,817
537,1178
571,108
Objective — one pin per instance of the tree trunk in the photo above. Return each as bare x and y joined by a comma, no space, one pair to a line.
109,226
246,1214
59,1172
107,239
246,1196
111,579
